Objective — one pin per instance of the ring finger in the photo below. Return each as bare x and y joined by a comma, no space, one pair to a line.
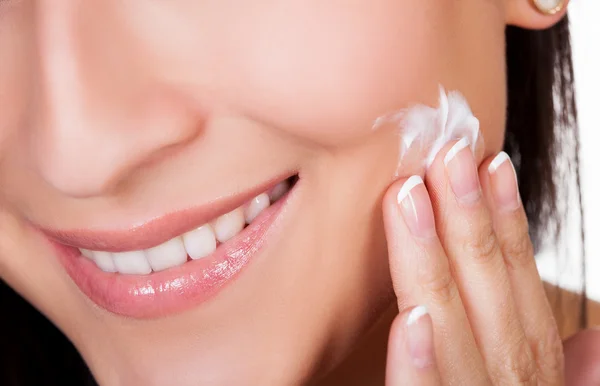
510,223
467,233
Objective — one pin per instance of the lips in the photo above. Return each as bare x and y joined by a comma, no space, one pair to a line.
173,262
195,244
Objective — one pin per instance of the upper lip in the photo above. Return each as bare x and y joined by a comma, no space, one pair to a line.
157,230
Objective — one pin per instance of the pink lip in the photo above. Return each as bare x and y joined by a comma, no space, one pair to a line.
170,291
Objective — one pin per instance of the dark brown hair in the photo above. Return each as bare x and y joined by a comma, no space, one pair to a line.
542,135
541,121
541,129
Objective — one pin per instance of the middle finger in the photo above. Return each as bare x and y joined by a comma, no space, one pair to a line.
467,233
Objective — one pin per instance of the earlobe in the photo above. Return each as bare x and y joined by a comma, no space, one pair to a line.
535,14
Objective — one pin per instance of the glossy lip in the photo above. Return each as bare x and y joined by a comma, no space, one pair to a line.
173,290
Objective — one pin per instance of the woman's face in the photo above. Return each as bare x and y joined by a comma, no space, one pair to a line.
126,124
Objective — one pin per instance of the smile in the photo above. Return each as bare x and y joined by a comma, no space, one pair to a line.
196,244
173,262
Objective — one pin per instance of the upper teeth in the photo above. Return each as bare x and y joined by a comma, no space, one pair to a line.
196,244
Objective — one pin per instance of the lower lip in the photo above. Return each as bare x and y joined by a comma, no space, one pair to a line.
176,289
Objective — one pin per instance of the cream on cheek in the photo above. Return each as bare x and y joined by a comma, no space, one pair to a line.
423,130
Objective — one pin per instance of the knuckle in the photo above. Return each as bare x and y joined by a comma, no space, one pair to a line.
483,245
518,249
520,367
549,355
439,285
524,374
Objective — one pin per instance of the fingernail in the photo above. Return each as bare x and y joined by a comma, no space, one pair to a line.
462,172
503,178
416,209
419,337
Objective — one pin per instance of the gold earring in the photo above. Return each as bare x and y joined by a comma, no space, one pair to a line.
549,7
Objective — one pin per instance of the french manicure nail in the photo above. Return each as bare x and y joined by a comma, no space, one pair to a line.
462,172
419,337
416,209
503,178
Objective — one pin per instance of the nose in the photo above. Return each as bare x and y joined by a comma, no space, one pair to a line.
98,110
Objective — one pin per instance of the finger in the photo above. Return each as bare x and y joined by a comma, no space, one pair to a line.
411,354
510,223
467,233
421,275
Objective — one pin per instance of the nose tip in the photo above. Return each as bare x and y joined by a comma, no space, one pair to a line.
89,157
84,150
89,147
75,167
79,166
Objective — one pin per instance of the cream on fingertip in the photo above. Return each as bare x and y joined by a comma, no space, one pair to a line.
428,129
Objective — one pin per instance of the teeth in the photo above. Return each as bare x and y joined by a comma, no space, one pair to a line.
132,263
256,206
229,225
167,255
200,242
104,261
87,253
279,190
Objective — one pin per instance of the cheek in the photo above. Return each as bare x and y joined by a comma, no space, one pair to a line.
326,71
322,70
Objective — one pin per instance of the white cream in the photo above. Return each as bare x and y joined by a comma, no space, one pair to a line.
431,128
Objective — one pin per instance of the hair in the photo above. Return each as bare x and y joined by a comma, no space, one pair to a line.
542,135
541,125
541,128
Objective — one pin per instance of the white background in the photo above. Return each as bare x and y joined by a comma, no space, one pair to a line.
585,29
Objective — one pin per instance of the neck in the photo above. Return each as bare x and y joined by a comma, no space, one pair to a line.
366,364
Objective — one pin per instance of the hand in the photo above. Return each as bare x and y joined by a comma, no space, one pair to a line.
582,358
472,306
